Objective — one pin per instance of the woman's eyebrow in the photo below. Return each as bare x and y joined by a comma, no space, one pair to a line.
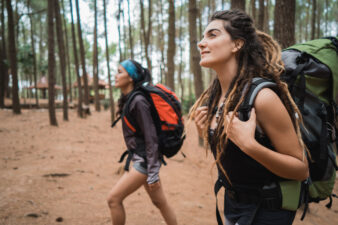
211,30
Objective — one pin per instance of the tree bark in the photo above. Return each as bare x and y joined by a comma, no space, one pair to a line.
313,22
3,58
284,26
118,17
130,33
146,34
253,9
261,15
181,53
51,63
319,7
67,54
95,63
194,53
238,4
170,79
83,60
62,58
33,53
12,59
161,42
79,86
267,17
111,97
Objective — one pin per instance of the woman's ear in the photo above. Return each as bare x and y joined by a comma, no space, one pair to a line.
238,45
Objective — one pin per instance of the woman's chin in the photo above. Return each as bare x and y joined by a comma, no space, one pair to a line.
205,63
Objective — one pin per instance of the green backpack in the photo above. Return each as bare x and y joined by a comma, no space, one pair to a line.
312,77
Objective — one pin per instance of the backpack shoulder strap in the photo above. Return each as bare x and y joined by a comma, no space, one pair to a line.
126,110
258,84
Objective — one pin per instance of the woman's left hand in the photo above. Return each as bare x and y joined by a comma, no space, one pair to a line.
241,133
154,186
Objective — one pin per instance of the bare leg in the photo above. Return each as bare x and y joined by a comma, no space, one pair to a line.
127,184
159,200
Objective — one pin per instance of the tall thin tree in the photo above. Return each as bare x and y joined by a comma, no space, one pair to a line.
284,26
170,76
146,33
51,62
12,59
261,15
3,58
118,18
62,58
67,53
111,97
79,86
131,42
194,53
95,63
33,52
238,4
313,22
83,60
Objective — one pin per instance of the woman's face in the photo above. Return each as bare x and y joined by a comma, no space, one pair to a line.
122,78
216,47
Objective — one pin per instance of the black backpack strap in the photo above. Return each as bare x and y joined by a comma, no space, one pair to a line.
124,154
334,42
115,122
249,100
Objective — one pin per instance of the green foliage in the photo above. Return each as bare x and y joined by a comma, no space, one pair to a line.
25,59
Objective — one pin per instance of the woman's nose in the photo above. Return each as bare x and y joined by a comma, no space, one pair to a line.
201,44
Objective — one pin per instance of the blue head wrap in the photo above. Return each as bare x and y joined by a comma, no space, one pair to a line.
131,69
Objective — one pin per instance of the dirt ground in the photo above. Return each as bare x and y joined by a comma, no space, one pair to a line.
62,175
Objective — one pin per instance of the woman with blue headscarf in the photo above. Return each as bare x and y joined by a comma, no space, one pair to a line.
145,170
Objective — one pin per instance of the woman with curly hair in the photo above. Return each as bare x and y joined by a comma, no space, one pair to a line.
250,155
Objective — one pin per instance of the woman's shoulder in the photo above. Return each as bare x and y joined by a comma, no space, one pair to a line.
270,108
139,101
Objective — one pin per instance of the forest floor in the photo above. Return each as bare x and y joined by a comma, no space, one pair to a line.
62,175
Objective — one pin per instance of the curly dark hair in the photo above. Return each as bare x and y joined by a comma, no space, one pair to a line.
260,56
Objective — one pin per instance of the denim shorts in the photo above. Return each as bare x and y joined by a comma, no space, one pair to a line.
237,213
140,167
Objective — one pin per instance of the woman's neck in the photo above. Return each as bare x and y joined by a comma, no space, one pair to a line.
126,90
226,73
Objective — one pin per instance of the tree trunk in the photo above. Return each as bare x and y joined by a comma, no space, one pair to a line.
111,98
181,53
307,18
12,59
260,24
34,55
194,53
253,9
170,79
319,7
238,4
146,34
3,58
161,42
95,63
67,54
313,22
130,33
83,60
267,17
284,26
51,63
79,86
118,17
62,58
